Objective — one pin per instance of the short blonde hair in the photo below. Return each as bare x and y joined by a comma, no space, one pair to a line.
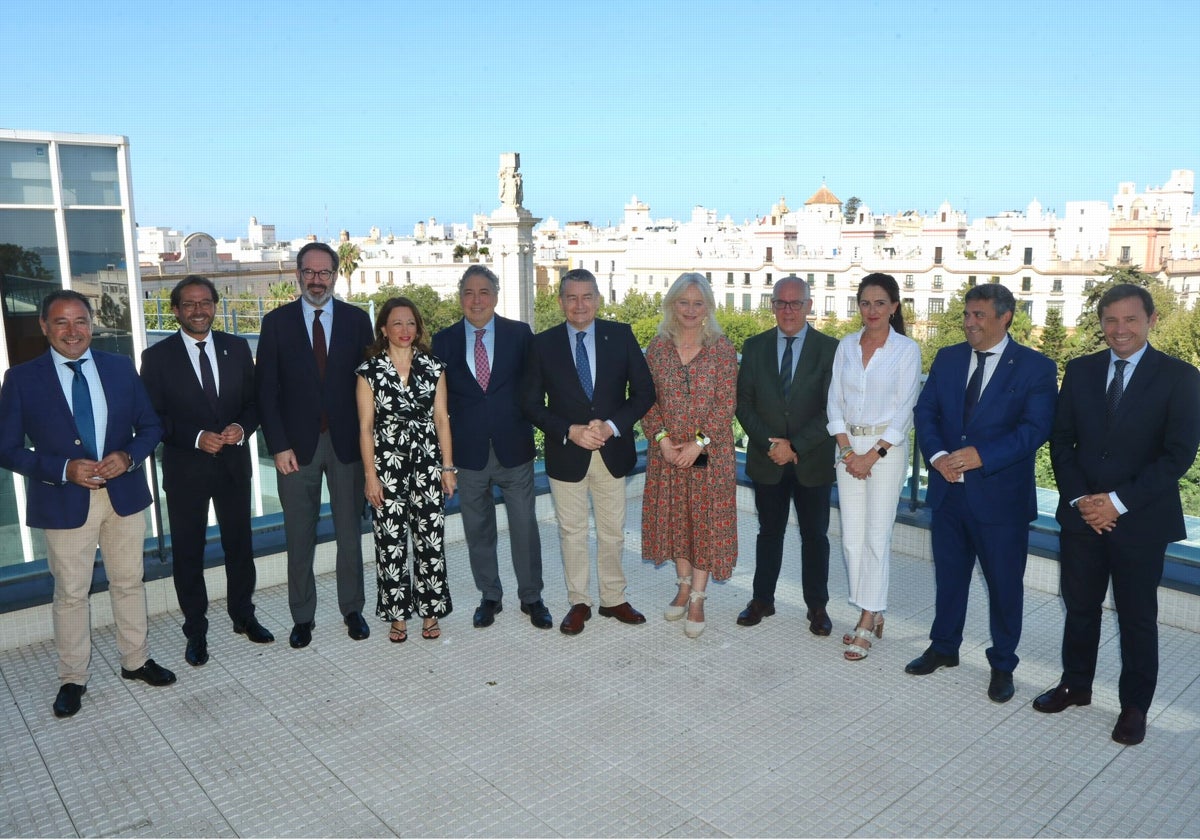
668,328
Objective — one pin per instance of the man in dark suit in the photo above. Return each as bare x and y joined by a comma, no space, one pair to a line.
1127,429
586,384
308,351
89,424
985,409
201,382
493,444
782,387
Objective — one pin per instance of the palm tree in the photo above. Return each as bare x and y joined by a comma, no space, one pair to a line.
348,257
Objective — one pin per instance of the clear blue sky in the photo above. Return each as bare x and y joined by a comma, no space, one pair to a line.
322,116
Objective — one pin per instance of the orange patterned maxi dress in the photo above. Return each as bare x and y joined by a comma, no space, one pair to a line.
691,514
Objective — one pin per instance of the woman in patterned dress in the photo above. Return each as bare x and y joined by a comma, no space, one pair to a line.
404,435
689,510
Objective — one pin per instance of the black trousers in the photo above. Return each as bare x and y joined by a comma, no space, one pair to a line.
812,512
1087,561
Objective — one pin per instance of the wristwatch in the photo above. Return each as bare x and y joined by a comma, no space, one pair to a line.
881,452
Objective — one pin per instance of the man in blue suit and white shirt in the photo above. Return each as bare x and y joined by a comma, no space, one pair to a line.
985,409
308,351
484,355
1127,429
90,424
586,384
201,382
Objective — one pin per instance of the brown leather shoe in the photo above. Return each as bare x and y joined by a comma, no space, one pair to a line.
623,613
755,612
1054,701
819,623
1131,727
572,625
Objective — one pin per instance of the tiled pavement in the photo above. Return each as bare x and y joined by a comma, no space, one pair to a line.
620,731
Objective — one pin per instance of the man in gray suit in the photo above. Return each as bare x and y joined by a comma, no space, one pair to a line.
782,387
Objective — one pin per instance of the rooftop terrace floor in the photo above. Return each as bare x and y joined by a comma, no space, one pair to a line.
620,731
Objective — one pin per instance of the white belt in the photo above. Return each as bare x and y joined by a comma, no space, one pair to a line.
859,431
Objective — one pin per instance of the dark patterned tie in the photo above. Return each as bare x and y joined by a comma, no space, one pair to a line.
975,386
483,371
81,407
321,352
581,364
207,380
785,366
1116,388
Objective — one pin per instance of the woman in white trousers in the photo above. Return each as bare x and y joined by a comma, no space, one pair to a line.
875,383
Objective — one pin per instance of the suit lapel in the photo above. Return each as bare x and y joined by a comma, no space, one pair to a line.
1138,385
998,383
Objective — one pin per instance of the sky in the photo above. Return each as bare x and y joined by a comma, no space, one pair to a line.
316,117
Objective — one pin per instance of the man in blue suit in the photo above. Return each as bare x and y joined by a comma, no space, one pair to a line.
90,424
985,409
493,444
308,351
586,384
1127,429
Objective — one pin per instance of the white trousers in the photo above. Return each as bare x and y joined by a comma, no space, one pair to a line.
868,514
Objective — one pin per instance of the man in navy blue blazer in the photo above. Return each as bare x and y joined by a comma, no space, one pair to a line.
586,384
1127,429
985,409
308,351
484,355
90,425
201,382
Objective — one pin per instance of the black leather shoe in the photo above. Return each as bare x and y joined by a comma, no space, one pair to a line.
485,613
254,631
356,626
67,701
930,661
755,612
301,634
1130,728
197,650
150,673
1062,697
819,623
1000,689
539,615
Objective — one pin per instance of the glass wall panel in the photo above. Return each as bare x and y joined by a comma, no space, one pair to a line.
89,175
29,270
99,270
25,173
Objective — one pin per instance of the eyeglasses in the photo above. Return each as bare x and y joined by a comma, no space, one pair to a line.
309,274
193,305
788,305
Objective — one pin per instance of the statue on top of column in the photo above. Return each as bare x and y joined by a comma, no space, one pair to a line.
512,193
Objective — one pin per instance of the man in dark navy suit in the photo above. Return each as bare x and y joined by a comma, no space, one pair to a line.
90,425
201,382
484,355
1127,429
308,351
586,384
985,409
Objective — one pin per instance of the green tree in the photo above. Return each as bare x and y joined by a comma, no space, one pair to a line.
1053,340
850,209
1088,336
546,311
19,261
278,294
738,324
158,312
349,257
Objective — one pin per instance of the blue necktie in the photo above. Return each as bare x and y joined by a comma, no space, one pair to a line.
581,364
975,386
81,405
785,366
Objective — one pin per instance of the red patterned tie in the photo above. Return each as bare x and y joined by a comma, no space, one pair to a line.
483,371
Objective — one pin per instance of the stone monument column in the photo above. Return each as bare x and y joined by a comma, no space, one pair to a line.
511,233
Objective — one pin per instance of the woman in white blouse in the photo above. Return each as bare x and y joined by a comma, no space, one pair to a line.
875,383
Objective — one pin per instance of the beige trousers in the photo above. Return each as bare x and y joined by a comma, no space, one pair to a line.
571,509
72,555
